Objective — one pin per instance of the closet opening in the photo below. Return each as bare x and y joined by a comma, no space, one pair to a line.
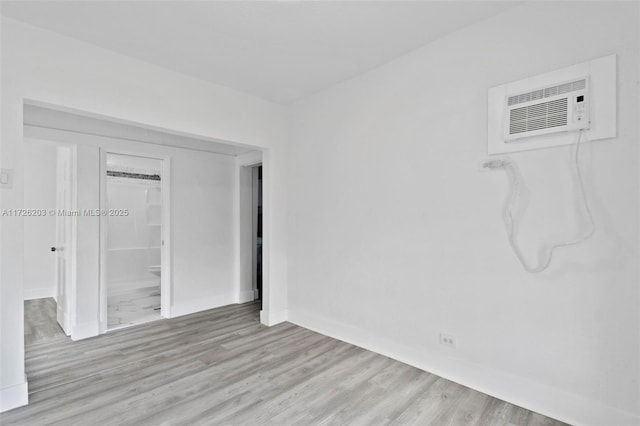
132,215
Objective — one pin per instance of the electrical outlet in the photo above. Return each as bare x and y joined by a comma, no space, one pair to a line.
448,340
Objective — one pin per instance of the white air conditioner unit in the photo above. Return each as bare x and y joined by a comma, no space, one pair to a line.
542,111
557,108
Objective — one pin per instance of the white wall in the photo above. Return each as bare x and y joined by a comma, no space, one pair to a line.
84,322
39,231
395,237
47,67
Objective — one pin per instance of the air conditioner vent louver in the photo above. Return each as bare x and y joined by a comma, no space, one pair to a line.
547,92
539,116
549,109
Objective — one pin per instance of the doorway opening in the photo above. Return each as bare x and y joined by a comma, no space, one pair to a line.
257,233
49,240
87,131
133,216
253,284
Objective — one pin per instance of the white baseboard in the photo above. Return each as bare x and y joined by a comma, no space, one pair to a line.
39,293
14,396
198,305
246,296
546,400
85,330
270,318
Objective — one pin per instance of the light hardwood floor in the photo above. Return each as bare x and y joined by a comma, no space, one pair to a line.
40,321
223,367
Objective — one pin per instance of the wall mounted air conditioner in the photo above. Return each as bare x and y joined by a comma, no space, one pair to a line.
551,109
543,111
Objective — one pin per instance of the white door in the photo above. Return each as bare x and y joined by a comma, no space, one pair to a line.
63,249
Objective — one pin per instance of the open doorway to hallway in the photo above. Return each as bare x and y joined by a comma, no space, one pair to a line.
257,218
252,285
48,245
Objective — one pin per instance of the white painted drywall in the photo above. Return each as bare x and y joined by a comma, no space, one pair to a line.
85,322
39,230
128,162
43,66
396,237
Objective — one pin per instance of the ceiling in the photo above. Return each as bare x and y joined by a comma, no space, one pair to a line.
281,51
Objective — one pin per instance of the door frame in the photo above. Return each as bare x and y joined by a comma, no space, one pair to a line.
71,295
166,295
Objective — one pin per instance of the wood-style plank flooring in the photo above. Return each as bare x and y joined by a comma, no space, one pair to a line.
40,321
223,367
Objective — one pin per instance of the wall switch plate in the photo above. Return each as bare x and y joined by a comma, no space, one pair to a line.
6,178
